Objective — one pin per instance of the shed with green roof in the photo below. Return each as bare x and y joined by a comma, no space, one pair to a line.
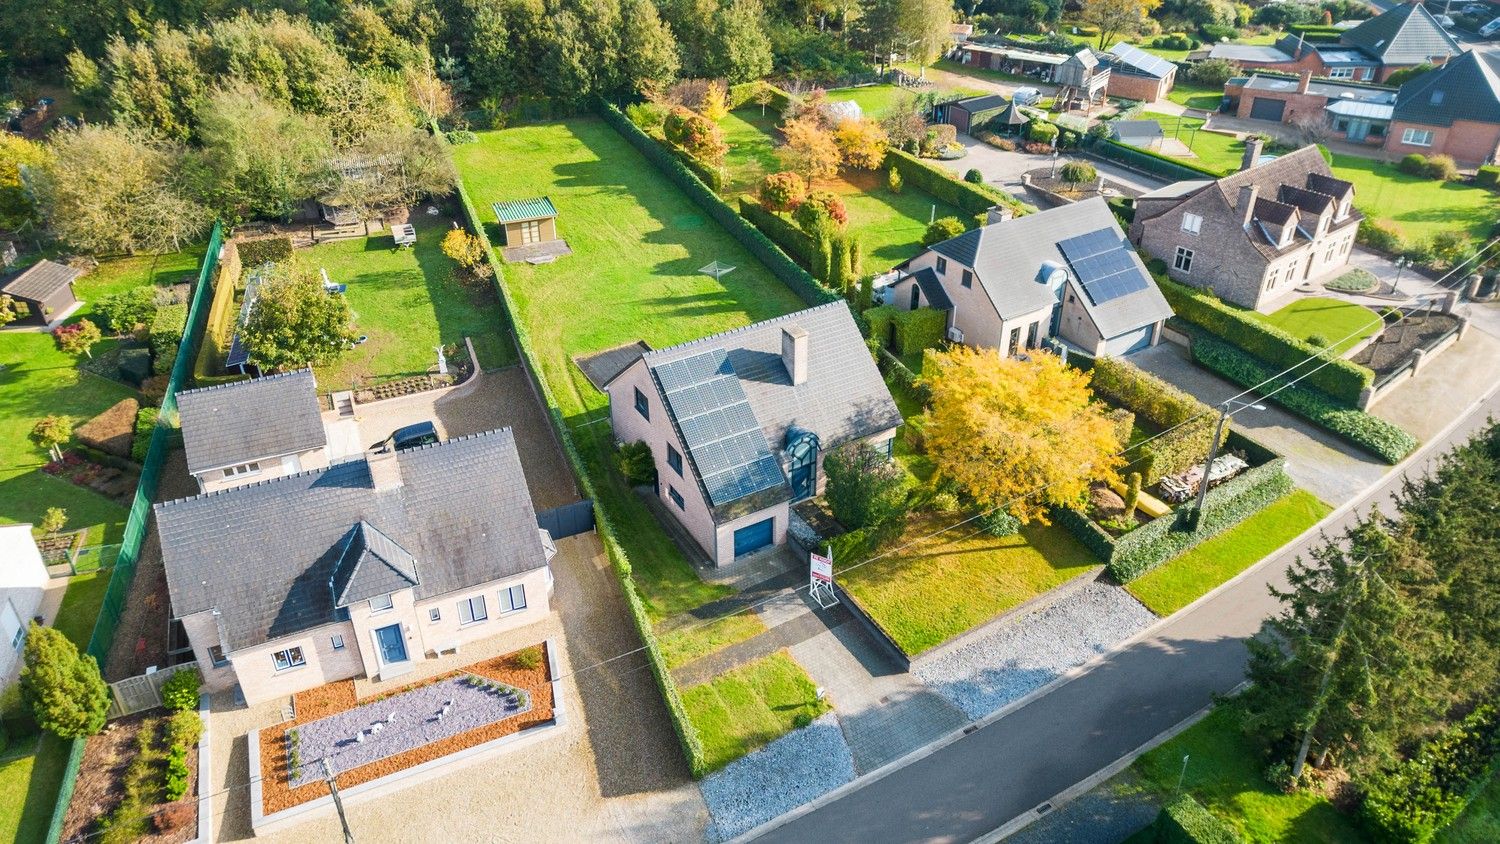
527,221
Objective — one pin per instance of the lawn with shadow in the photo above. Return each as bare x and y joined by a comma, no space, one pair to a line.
1339,323
747,708
1418,207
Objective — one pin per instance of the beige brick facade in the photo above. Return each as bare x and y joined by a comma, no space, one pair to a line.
973,312
263,469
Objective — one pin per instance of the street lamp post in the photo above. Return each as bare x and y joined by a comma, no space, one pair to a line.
1213,451
1054,164
1401,264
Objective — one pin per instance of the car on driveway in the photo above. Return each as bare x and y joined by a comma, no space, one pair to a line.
408,437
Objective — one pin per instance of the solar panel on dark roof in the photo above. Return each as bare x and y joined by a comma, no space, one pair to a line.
1102,265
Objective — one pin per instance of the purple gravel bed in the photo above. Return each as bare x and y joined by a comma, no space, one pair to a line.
407,721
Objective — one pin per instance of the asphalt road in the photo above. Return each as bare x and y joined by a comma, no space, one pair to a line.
984,780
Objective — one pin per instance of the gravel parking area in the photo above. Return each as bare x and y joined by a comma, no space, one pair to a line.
790,771
1027,652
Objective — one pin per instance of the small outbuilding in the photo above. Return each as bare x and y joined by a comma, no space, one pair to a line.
46,288
967,115
529,227
1010,121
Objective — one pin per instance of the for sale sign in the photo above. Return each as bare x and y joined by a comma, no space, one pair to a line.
822,569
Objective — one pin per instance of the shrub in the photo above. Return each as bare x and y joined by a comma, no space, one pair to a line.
78,338
944,501
1428,790
893,180
941,229
1354,281
1319,341
134,366
62,687
1380,236
54,520
275,250
1188,423
166,333
914,331
1441,167
802,719
999,523
865,488
820,208
1077,172
180,692
1184,821
1041,132
529,658
184,728
648,115
145,423
797,243
973,176
1038,148
1371,433
782,191
113,430
1488,177
175,783
637,463
1414,164
122,312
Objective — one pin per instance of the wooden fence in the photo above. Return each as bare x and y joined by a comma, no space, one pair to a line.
142,692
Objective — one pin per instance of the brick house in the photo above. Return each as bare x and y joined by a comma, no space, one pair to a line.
255,430
1253,236
1402,37
1066,272
364,568
739,422
1454,110
1358,112
1138,75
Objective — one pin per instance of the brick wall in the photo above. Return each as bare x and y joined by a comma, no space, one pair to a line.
1470,143
1138,87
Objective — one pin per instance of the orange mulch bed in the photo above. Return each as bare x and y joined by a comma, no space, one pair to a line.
323,701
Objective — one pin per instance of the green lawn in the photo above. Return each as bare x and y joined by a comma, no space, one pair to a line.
1418,207
752,149
750,706
117,275
1344,324
408,302
1192,95
1224,774
942,586
875,100
1210,149
681,646
80,605
1480,822
1176,584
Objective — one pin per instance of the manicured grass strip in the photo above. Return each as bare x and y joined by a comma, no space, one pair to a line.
30,781
1417,206
1180,582
1187,94
1224,774
80,606
1210,149
679,647
751,706
1480,822
1332,319
875,100
944,585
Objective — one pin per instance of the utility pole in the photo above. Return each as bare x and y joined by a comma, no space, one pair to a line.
1213,451
338,803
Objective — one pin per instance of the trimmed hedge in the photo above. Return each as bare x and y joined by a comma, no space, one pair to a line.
1159,540
1341,379
711,176
1184,821
1427,791
253,253
1370,433
1123,384
1152,162
762,247
687,734
915,330
905,380
970,198
166,333
145,423
1488,176
784,233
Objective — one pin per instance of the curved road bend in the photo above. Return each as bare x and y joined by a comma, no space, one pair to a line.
982,781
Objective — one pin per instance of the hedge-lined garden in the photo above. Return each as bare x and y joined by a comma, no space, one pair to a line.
1187,424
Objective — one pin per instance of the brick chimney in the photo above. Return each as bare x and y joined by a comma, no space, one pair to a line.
1303,81
1248,195
385,470
1253,147
794,353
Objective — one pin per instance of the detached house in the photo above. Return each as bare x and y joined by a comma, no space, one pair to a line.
739,422
254,430
362,568
1066,272
1253,236
1404,36
1453,110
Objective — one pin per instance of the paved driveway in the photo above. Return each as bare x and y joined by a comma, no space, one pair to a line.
1003,169
1318,461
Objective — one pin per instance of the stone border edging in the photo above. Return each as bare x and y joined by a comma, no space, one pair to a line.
205,779
261,823
1032,604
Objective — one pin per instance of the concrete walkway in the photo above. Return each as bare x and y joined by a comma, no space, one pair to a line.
1318,461
1424,404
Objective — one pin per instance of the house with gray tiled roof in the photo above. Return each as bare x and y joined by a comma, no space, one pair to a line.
1454,110
739,423
1404,36
247,431
364,568
1252,237
1066,273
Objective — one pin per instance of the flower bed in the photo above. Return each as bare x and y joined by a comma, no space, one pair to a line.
332,709
119,794
109,481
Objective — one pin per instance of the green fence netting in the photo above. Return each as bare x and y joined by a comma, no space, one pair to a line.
140,508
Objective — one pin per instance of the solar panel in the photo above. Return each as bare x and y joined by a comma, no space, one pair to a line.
1103,265
1148,62
718,426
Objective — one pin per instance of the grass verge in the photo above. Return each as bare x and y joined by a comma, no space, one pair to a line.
751,706
1331,319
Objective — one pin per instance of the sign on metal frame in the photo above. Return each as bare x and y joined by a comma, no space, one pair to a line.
820,580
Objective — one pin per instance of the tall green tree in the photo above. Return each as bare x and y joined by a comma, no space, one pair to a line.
739,48
295,322
63,689
648,49
258,158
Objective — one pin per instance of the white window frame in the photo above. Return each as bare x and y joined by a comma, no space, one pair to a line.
242,470
1409,137
381,603
1182,260
1341,73
466,611
292,657
434,615
1192,223
337,641
508,597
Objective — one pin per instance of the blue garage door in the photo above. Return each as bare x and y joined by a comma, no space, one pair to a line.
753,537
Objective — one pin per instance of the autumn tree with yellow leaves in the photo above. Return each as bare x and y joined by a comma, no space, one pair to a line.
1020,435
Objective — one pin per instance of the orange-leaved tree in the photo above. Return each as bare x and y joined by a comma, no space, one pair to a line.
1018,435
862,143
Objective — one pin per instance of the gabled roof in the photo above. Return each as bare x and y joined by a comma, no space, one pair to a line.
262,418
1270,211
521,210
932,289
704,384
1336,188
265,555
1464,88
1011,115
372,564
1406,34
974,105
1307,200
40,280
1303,169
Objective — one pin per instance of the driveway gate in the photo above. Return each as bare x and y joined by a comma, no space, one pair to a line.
567,520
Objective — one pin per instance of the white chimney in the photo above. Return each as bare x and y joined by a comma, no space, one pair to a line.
794,353
385,470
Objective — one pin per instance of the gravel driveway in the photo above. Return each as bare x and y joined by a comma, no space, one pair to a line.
794,769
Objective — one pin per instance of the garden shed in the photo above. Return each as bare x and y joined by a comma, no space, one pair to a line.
529,229
46,288
971,113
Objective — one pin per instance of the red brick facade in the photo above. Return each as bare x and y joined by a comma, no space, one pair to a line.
1471,144
1138,87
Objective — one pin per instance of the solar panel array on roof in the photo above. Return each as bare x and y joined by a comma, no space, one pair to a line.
718,427
1138,58
1102,266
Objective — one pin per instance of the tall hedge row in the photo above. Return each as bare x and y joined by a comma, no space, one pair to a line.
971,198
1163,405
1161,539
1365,430
915,330
1184,821
739,228
687,734
1344,380
784,233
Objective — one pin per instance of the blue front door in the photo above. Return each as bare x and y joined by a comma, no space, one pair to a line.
392,644
753,537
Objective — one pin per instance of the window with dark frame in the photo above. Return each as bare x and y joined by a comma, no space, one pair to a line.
676,497
1183,260
640,404
942,265
337,640
472,609
289,658
217,657
674,459
968,279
